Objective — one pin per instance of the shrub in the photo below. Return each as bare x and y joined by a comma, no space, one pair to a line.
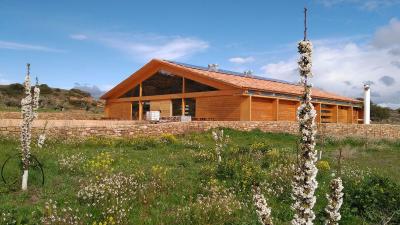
101,163
112,195
373,197
379,113
260,147
217,205
204,156
270,158
168,139
323,166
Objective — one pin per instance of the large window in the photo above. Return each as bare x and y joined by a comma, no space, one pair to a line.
193,86
162,84
134,92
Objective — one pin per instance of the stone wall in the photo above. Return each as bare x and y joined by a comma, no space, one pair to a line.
85,128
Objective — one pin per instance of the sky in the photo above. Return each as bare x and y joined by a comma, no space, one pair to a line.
94,45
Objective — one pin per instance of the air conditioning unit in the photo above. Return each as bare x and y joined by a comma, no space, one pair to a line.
153,115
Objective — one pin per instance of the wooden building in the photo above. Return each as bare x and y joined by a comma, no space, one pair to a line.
177,89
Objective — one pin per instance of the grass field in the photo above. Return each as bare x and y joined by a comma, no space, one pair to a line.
177,180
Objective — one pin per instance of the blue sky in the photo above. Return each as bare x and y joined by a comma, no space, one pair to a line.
99,43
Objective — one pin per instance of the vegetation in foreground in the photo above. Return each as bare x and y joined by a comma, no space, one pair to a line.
178,180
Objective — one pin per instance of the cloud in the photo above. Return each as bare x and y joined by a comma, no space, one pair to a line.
396,63
94,90
143,47
387,80
78,37
362,4
28,47
388,36
241,60
343,67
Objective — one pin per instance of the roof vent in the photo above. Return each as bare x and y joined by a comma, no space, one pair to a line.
248,73
213,67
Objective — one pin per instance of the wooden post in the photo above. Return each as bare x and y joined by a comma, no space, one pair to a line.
140,102
183,96
351,119
251,102
337,113
277,109
318,110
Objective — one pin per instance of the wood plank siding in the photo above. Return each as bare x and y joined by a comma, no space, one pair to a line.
176,89
219,107
120,110
263,109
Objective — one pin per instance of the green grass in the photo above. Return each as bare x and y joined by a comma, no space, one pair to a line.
174,172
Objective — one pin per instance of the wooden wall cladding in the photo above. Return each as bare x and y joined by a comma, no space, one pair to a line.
263,109
119,110
219,107
287,110
343,114
164,106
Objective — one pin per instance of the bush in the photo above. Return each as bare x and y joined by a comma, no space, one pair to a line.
373,197
45,89
323,166
168,139
260,147
13,89
379,113
217,205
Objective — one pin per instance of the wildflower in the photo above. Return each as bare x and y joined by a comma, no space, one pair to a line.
304,182
335,201
29,106
221,141
262,209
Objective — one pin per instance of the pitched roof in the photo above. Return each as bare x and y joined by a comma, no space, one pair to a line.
259,83
243,81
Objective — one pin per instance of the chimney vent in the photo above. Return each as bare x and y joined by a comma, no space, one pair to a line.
248,73
213,67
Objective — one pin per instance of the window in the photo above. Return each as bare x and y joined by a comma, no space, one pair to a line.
194,86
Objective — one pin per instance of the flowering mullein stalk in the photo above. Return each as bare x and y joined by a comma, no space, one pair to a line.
335,201
29,106
305,183
262,209
220,142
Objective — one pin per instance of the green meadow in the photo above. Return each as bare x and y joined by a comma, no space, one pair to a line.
178,180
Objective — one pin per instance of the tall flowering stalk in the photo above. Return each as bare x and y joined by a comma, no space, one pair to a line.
335,201
262,208
305,183
221,141
29,106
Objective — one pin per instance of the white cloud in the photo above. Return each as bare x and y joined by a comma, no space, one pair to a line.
148,46
241,60
29,47
78,37
363,4
343,67
388,36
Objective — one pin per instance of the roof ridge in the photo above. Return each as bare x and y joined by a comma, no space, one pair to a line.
233,73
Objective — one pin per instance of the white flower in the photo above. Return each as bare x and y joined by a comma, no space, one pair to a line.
335,201
262,209
41,139
304,182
